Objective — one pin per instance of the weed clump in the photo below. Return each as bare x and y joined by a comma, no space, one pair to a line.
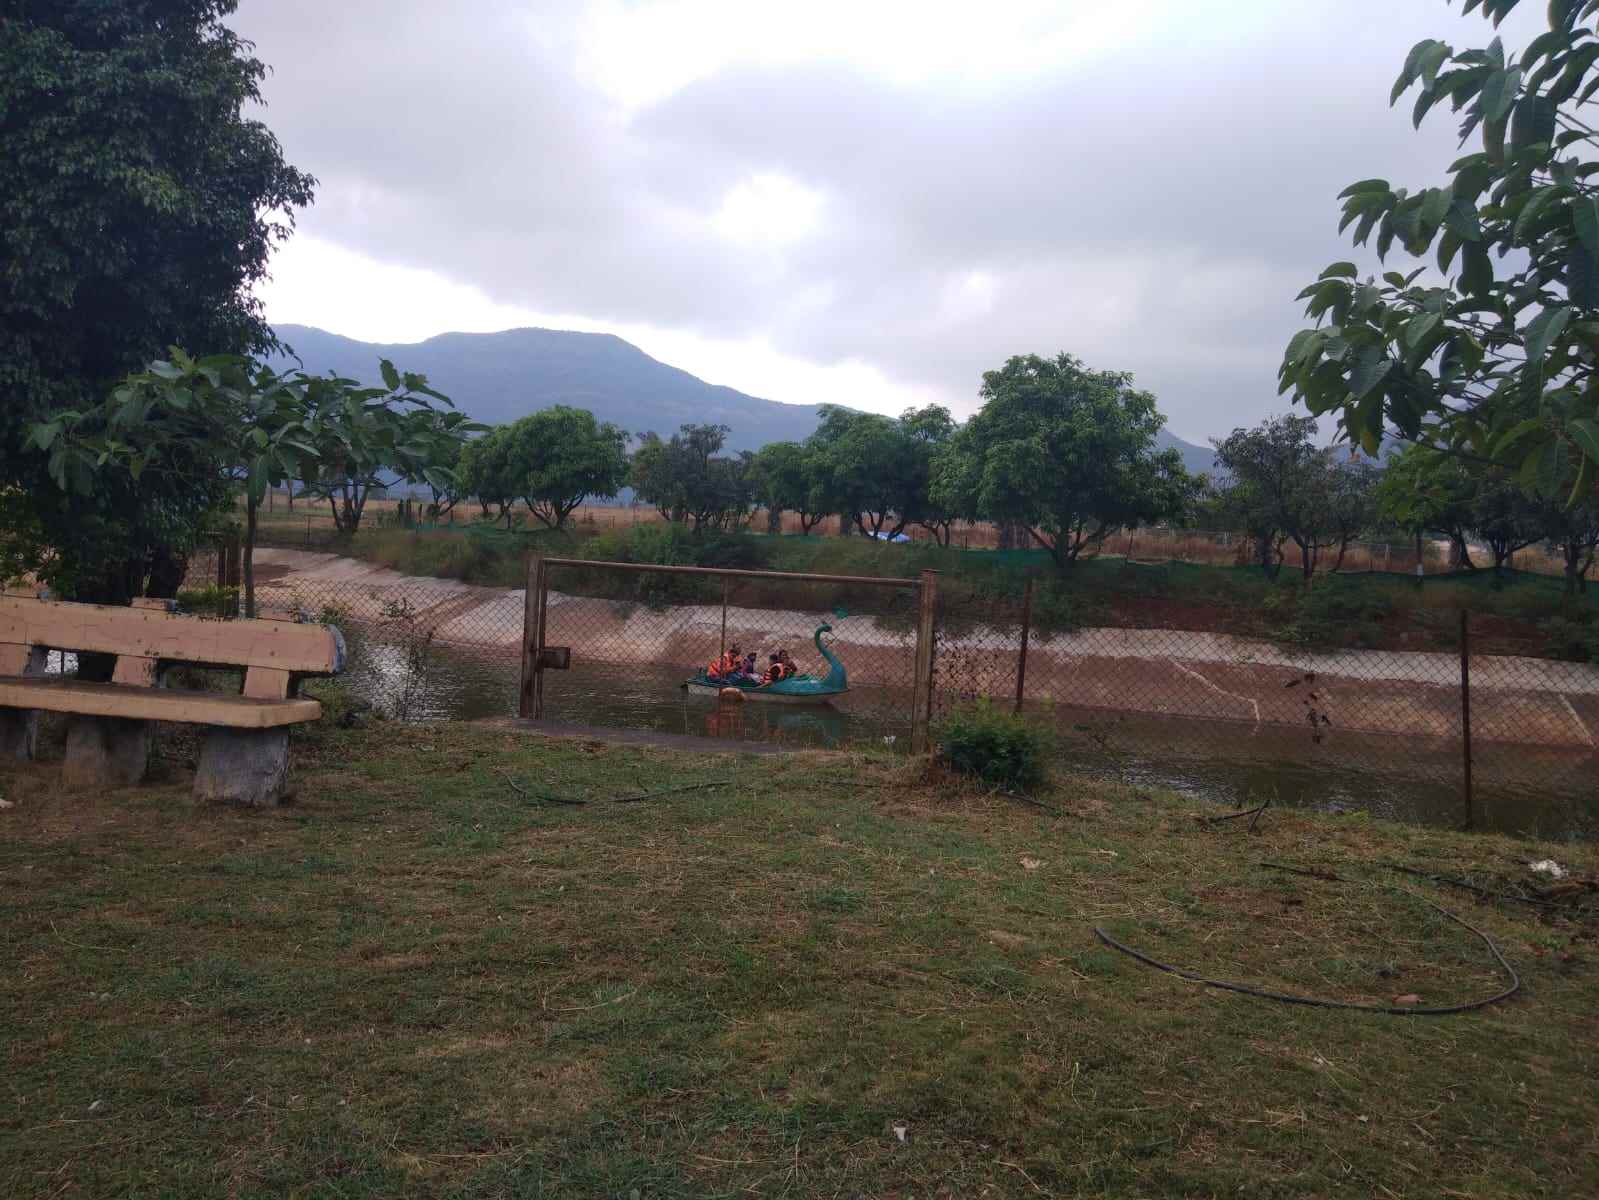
999,748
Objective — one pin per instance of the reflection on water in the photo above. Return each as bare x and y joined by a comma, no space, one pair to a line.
1410,779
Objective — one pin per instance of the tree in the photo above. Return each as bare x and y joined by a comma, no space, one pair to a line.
198,423
1423,488
1283,488
1574,531
927,430
367,437
486,473
1065,451
559,457
875,470
1497,362
687,481
137,206
785,481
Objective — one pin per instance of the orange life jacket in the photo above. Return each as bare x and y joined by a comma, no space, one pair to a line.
727,664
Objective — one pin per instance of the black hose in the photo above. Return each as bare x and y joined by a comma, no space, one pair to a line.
1316,1001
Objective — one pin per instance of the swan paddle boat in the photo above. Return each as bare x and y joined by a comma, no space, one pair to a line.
796,689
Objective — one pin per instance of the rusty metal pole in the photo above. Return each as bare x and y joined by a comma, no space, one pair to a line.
1465,712
723,650
922,690
530,702
1021,658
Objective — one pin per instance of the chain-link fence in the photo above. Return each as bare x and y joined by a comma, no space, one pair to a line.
1448,732
1223,714
640,634
418,648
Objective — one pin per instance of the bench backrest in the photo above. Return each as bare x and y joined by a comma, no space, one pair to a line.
142,637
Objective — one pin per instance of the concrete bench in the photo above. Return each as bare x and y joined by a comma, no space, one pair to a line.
245,759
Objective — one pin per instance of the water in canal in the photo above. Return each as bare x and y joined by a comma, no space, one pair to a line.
1220,762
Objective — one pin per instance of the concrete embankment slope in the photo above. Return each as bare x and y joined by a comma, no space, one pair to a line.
1173,673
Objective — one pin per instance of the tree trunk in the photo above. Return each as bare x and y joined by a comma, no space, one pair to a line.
1343,548
250,508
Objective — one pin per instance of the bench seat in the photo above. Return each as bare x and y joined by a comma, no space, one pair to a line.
154,704
244,758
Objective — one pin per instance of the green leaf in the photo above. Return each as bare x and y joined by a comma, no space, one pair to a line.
1582,280
1585,216
1434,209
1585,433
1365,185
1339,270
1544,329
1535,207
391,377
1499,94
1370,369
1533,123
1476,272
1420,328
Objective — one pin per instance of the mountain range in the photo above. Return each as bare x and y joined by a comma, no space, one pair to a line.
498,377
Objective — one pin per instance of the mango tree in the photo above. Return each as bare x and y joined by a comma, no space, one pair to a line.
1488,346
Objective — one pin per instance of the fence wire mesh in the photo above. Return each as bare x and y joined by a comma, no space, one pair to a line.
1172,706
1212,712
637,637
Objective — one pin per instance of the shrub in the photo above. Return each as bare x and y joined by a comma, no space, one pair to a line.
1571,639
210,601
998,747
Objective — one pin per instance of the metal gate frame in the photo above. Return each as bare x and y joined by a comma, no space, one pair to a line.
538,657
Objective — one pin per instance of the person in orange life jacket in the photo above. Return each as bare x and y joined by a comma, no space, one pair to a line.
751,668
727,666
782,667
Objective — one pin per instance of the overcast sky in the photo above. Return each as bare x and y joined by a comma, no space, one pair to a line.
857,202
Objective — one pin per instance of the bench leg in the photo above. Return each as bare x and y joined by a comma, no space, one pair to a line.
239,766
19,733
105,752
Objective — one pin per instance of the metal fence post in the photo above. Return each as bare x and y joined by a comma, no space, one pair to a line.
1465,713
531,696
922,691
1021,658
723,651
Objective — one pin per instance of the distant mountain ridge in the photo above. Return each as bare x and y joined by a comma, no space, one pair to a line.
498,377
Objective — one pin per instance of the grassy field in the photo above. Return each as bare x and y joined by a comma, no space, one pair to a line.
827,976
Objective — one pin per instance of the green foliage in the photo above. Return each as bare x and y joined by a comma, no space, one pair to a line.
1067,452
201,422
1280,486
137,207
1000,748
786,481
1574,639
1498,360
558,457
876,470
212,600
687,480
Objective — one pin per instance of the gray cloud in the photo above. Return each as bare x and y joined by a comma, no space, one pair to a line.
1155,210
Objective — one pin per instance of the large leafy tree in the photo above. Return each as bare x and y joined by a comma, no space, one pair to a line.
688,480
785,481
138,204
201,423
876,470
1282,487
486,473
559,457
1488,347
1067,452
